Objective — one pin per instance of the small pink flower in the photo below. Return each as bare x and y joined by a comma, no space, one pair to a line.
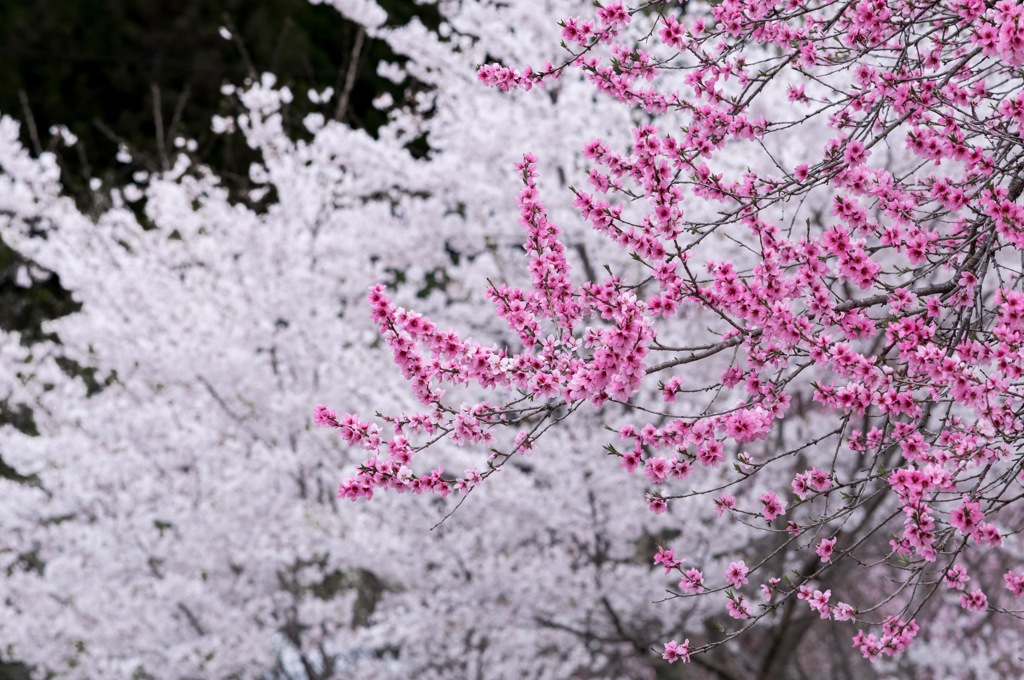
843,612
656,469
855,153
675,651
773,507
692,582
736,574
711,454
988,533
967,516
974,601
1014,583
800,487
767,589
819,479
667,557
956,577
738,607
723,503
819,603
825,548
795,93
656,504
325,416
671,387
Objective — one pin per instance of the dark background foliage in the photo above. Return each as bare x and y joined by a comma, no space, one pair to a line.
141,72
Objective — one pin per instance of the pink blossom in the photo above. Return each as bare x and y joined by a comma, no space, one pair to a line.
896,637
656,503
818,601
710,454
956,577
724,503
974,601
656,469
692,582
666,557
675,651
825,548
671,388
772,506
736,574
843,612
967,516
1014,583
767,589
738,607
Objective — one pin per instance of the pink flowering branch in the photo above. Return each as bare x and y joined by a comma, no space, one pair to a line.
877,295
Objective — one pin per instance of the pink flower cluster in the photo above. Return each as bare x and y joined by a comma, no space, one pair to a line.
896,637
819,602
885,295
812,480
675,651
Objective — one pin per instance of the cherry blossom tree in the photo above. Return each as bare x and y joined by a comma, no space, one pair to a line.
818,338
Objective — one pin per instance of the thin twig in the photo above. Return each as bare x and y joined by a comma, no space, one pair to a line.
457,506
237,39
350,75
158,121
179,109
30,122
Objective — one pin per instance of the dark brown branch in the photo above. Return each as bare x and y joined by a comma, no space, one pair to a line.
350,75
30,122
